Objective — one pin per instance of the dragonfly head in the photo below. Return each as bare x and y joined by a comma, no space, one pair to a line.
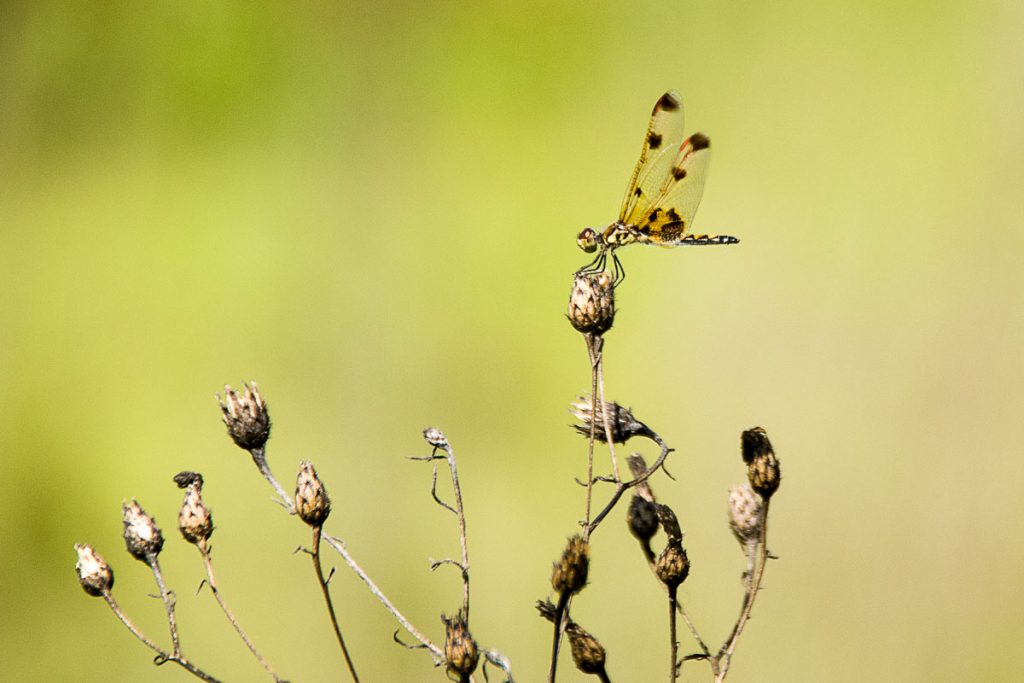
587,240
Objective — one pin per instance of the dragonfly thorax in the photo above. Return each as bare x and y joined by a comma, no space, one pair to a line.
615,235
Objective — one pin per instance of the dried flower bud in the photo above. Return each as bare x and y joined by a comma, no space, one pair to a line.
186,479
311,500
195,520
592,302
745,514
570,573
638,467
435,437
547,610
587,652
623,425
763,469
246,416
94,573
642,518
460,651
669,523
142,536
673,566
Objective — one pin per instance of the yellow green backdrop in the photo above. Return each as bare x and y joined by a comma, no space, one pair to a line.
370,208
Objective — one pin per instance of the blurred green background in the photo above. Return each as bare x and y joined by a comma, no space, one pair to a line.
370,209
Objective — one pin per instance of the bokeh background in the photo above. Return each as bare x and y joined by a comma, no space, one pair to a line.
370,209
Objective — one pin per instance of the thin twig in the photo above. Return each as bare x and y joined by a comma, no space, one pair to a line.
724,658
162,656
674,642
315,554
607,422
622,486
593,344
169,600
211,580
259,456
461,514
339,547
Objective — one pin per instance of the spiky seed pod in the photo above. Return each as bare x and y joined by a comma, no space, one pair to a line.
195,521
547,610
435,437
245,416
763,469
592,302
587,652
673,566
569,574
460,650
746,511
142,537
623,425
94,573
642,518
311,500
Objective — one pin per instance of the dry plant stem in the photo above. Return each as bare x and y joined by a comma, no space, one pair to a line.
161,656
563,603
315,553
461,514
339,547
165,595
593,350
599,369
705,651
622,486
674,642
211,579
259,456
720,664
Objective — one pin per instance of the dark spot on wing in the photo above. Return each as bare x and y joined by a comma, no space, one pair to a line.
699,141
673,216
678,173
653,216
668,102
638,192
654,140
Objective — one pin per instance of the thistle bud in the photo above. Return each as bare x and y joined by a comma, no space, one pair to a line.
195,521
142,537
569,575
311,500
592,302
246,416
460,651
669,522
642,518
94,573
763,469
435,437
745,514
621,421
673,566
587,652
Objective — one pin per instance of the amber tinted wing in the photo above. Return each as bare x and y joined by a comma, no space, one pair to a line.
664,132
677,193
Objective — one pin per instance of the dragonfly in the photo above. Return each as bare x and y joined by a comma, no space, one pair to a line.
663,192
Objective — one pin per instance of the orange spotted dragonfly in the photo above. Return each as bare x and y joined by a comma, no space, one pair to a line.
663,192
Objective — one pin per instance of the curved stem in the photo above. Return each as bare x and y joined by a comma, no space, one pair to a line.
161,655
330,605
259,456
212,580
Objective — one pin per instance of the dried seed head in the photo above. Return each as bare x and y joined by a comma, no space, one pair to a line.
460,651
745,514
669,522
673,566
94,573
311,500
638,467
642,518
570,573
195,521
763,469
435,437
592,302
587,652
246,416
546,609
623,425
142,536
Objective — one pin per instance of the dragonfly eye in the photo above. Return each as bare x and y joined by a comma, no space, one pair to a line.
587,240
